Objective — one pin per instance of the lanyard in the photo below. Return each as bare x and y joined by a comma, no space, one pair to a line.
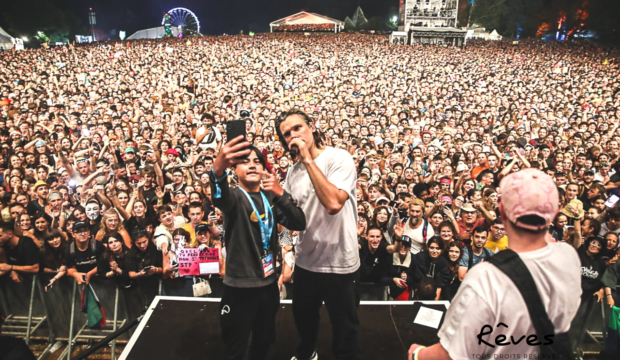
266,227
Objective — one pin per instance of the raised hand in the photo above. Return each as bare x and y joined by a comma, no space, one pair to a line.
159,192
231,154
398,229
271,183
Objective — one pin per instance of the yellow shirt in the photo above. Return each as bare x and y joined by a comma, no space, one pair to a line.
499,245
192,234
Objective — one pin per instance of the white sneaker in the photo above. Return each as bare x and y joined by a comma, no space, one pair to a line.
314,356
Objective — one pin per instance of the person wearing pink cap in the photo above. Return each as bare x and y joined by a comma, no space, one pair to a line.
500,313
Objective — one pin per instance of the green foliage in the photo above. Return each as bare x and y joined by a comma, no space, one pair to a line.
376,23
510,17
41,37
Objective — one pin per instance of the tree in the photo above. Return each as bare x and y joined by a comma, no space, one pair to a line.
376,23
508,17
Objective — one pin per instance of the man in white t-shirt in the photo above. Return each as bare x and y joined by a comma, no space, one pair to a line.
488,308
416,227
323,183
208,136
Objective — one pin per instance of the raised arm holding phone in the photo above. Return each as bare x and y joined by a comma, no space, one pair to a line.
250,297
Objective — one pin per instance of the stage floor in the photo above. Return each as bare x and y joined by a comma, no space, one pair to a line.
183,328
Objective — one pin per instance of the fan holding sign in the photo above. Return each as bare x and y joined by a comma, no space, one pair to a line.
204,260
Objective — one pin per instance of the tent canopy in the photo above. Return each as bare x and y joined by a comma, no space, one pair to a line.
306,18
5,40
153,33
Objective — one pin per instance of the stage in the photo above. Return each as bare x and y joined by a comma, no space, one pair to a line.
183,328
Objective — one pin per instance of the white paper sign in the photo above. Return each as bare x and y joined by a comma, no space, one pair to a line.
428,317
209,268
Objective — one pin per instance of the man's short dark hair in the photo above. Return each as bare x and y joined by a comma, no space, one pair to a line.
374,227
480,229
426,289
615,213
595,225
7,226
195,204
163,209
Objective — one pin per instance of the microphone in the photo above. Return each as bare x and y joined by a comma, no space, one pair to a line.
293,151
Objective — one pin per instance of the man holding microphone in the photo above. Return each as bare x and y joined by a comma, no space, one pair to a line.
323,182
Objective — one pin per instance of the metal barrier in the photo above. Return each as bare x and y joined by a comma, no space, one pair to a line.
589,327
598,335
28,313
91,334
17,323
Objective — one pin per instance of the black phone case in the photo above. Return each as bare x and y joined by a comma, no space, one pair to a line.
234,129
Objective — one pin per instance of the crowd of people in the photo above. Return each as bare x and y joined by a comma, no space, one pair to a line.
304,27
108,152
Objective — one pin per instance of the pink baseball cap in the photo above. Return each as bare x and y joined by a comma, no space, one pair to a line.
529,192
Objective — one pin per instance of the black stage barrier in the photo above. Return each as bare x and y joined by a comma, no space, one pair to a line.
188,328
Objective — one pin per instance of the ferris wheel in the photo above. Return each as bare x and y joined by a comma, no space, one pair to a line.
184,18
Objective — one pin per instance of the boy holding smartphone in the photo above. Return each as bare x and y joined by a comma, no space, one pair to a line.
250,298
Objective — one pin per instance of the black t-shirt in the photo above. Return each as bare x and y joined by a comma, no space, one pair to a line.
149,195
26,252
592,271
84,261
372,265
136,260
132,223
34,207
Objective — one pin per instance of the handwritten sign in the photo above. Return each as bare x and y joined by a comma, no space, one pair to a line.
196,262
428,317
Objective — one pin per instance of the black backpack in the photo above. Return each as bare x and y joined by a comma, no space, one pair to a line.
487,254
511,264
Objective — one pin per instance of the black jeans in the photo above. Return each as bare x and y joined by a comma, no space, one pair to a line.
245,311
339,292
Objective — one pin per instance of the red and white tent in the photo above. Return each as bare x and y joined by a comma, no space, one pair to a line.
307,18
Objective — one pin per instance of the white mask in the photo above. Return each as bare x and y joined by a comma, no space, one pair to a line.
92,211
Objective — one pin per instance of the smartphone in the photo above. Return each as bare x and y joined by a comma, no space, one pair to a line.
235,129
611,202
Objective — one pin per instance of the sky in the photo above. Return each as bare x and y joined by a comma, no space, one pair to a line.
217,16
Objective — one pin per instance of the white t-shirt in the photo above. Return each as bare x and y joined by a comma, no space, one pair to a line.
329,244
605,229
488,297
417,235
209,141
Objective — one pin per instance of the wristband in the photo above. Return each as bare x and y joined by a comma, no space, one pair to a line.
415,353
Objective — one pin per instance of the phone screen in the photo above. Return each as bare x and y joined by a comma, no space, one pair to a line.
611,202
